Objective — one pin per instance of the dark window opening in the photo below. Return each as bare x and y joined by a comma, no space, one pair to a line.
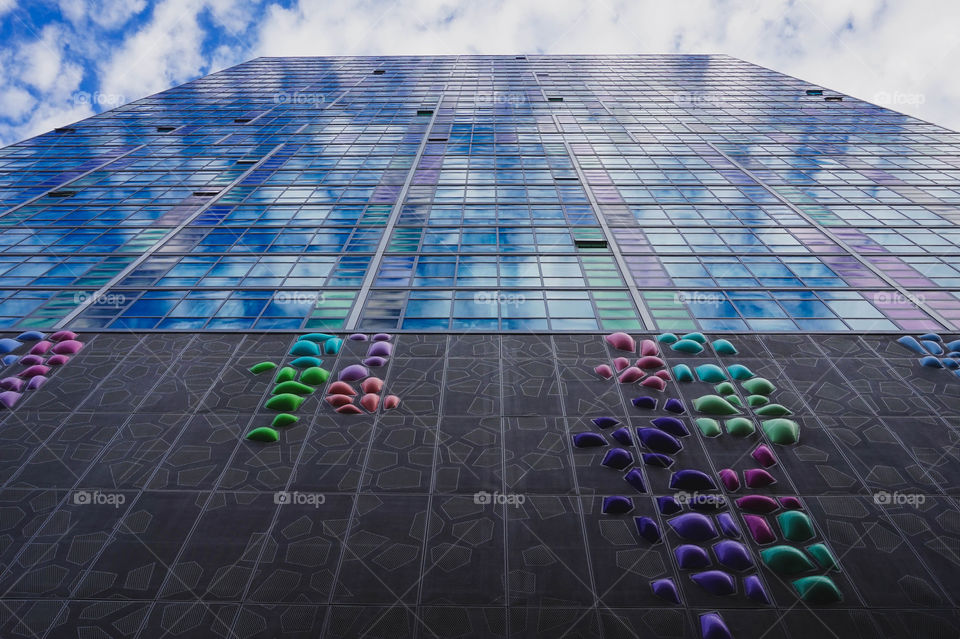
520,57
241,120
424,111
165,129
63,193
590,244
555,99
378,72
205,193
65,129
814,91
834,98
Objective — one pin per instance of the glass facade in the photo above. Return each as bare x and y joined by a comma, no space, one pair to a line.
491,193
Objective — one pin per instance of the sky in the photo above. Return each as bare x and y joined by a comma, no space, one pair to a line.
64,60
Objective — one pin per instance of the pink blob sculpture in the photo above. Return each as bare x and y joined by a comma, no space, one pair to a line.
631,375
41,348
648,347
622,342
604,371
33,371
59,336
349,409
371,385
338,400
341,388
370,401
621,363
57,360
654,382
764,456
730,479
650,361
391,401
67,347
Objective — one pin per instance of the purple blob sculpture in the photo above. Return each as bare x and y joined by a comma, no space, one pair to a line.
666,590
733,554
713,627
694,526
67,347
675,406
764,456
754,589
659,441
588,440
759,529
354,373
690,557
9,398
668,505
716,582
381,337
374,362
789,502
757,504
617,458
634,477
31,360
33,371
648,529
757,478
380,349
671,425
11,384
358,337
645,402
36,382
617,505
691,479
728,526
730,479
657,459
622,435
605,422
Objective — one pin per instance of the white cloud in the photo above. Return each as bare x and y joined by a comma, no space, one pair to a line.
865,48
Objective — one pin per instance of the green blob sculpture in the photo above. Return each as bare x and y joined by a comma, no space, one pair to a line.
725,388
667,338
284,419
795,525
263,434
773,410
708,426
714,405
711,373
284,402
740,427
286,374
262,367
687,346
682,373
818,589
699,338
786,560
759,386
724,347
739,372
754,401
315,376
781,431
292,387
823,556
733,399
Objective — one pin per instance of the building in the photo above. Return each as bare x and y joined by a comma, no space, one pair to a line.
497,229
